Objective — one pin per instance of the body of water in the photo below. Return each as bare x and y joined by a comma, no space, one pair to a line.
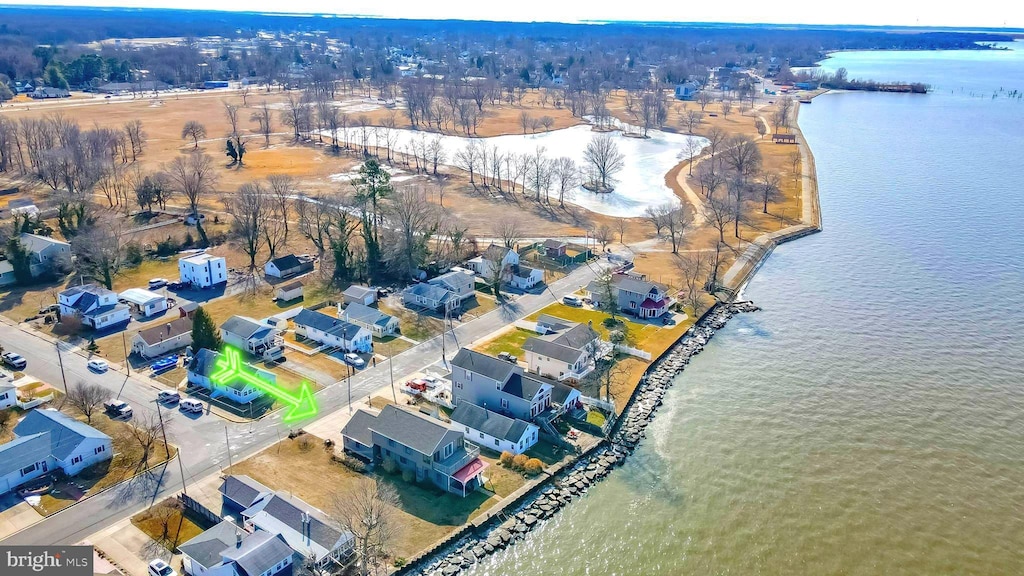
871,419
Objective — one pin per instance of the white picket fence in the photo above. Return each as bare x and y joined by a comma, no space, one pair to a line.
35,402
643,355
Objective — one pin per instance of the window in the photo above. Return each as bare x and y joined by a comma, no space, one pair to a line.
391,442
99,449
76,459
481,434
504,403
402,459
408,450
28,470
632,304
495,441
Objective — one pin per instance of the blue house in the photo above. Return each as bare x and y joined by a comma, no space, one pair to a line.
687,91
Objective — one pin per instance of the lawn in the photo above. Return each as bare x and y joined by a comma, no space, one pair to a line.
127,462
139,276
635,331
500,480
413,325
169,523
478,306
256,305
390,345
425,513
510,340
596,418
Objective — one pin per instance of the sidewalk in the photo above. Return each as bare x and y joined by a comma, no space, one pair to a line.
130,549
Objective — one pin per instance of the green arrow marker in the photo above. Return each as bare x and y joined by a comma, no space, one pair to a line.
229,367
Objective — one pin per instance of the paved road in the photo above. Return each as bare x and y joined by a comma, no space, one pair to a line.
202,442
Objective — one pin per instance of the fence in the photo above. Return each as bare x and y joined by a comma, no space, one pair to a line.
34,402
192,504
642,354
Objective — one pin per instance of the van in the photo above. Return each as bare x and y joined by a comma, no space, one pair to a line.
572,301
192,406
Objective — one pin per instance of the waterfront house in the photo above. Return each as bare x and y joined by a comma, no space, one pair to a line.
495,431
568,351
47,440
203,270
163,338
305,529
332,331
228,550
240,491
96,306
431,449
640,298
260,339
359,294
287,266
377,322
204,363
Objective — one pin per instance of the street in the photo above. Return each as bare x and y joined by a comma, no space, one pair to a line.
207,443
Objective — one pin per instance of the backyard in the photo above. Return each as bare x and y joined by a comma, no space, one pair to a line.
169,523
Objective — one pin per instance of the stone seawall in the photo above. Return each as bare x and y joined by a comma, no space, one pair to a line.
547,498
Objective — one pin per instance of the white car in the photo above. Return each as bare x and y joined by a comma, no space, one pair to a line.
190,405
160,568
354,359
98,365
157,283
168,396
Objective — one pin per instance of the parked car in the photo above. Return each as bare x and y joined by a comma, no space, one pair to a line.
572,300
164,364
97,365
15,360
118,408
49,309
176,285
157,283
159,567
191,219
508,357
192,406
168,396
353,359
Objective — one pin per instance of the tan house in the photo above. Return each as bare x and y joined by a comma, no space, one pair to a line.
163,338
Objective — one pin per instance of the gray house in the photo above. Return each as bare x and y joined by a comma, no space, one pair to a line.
46,253
287,266
228,550
377,322
637,297
430,448
507,389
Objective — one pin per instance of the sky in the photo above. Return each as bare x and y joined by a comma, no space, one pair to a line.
977,13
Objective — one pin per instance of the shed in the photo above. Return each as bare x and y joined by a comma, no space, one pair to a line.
143,301
784,138
290,291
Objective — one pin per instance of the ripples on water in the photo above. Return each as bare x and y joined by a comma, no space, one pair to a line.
871,419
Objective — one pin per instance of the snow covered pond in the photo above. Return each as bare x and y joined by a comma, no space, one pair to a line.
640,183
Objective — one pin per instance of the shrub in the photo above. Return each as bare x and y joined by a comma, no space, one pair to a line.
399,562
616,337
189,240
506,458
534,466
133,253
354,464
519,461
408,475
305,444
610,322
167,247
389,465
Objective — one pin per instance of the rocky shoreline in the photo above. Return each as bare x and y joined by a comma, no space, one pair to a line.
577,479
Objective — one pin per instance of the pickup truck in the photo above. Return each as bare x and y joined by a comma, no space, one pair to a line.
118,408
14,360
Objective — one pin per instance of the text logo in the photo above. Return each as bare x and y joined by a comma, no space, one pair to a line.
46,560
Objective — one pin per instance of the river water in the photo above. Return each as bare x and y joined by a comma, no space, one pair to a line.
871,419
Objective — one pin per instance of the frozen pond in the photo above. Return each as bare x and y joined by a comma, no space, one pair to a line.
640,183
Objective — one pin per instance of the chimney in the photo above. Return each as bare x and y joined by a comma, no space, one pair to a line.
238,539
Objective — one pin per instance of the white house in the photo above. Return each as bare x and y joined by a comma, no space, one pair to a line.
47,440
8,395
143,301
524,277
305,529
492,430
332,331
6,273
494,259
290,291
160,339
361,294
94,304
377,322
229,550
287,266
568,351
46,253
257,338
203,364
460,282
203,270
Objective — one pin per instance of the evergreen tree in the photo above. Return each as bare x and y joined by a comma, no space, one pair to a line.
373,185
20,260
204,332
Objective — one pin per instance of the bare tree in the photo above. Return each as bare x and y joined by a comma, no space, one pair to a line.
244,92
86,398
566,175
726,108
693,270
249,211
703,99
719,212
281,187
768,188
99,250
508,231
711,176
692,147
603,234
761,128
547,122
622,224
192,176
235,144
195,131
716,139
692,119
656,216
264,121
677,221
413,221
605,160
369,513
144,428
468,159
136,137
524,120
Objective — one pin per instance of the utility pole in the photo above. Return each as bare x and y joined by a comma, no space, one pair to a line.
124,346
160,415
391,372
228,442
61,362
348,378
